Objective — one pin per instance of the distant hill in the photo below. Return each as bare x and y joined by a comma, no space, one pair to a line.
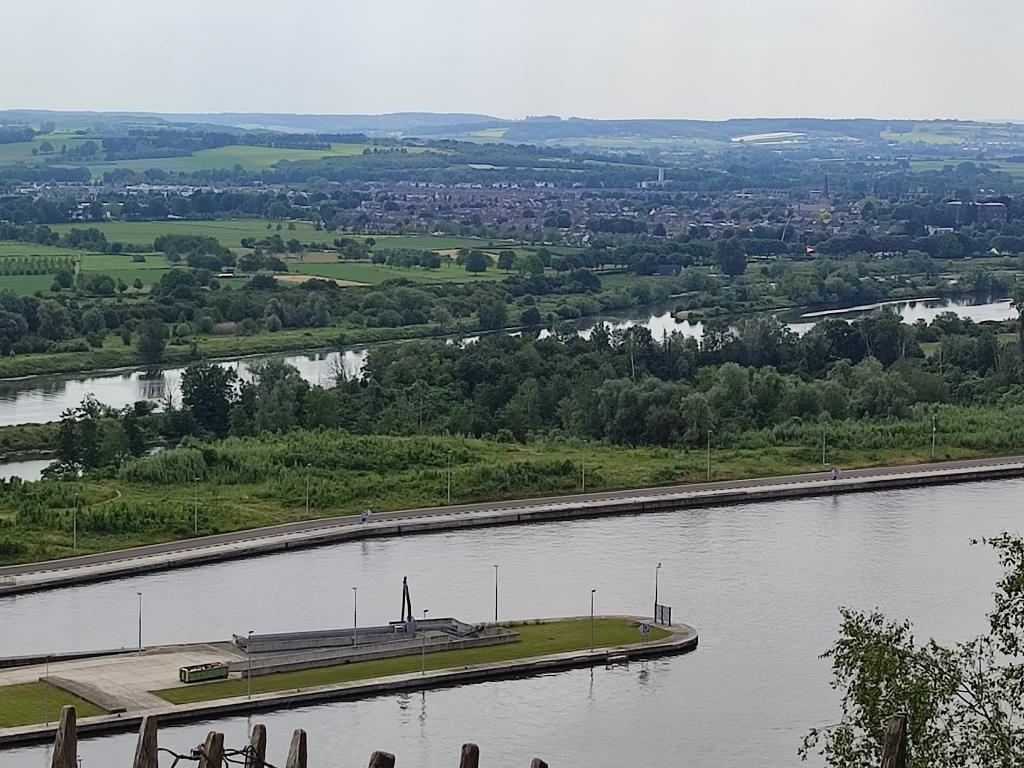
546,129
398,122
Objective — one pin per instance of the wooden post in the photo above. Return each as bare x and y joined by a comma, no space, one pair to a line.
257,747
538,763
382,760
895,753
146,748
470,756
212,751
297,751
65,746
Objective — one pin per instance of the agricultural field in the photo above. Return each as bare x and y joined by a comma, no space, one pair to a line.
26,285
374,274
21,152
229,232
122,266
436,242
249,158
8,249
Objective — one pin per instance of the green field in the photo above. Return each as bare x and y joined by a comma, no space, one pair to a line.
536,639
25,704
228,232
374,274
436,242
26,285
21,152
31,249
249,158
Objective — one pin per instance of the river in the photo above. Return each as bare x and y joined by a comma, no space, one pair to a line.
42,399
762,584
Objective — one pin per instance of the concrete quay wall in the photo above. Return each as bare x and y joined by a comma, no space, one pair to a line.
297,660
194,552
682,640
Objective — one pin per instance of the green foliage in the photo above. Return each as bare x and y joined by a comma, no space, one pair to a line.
152,339
963,702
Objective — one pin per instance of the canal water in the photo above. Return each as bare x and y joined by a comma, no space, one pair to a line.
762,584
42,399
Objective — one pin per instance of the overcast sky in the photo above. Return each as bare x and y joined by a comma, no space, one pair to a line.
712,59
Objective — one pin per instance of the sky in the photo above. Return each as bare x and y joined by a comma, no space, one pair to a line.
714,59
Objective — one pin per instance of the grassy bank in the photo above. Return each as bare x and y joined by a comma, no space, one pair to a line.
247,483
115,355
536,639
26,704
16,441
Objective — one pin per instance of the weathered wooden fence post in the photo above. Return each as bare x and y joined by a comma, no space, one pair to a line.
257,747
470,756
297,751
65,746
894,755
538,763
146,748
382,760
212,751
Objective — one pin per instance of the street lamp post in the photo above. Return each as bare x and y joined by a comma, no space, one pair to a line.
656,593
355,615
592,619
307,489
140,622
449,478
248,661
709,455
495,594
583,484
195,508
933,437
823,443
47,690
74,527
423,654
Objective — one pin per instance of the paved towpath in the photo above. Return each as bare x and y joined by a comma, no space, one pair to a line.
108,565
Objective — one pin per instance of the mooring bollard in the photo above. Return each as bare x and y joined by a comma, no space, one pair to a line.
65,746
382,760
146,748
257,747
470,756
297,751
538,763
212,751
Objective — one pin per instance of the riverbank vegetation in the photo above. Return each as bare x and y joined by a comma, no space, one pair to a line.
519,416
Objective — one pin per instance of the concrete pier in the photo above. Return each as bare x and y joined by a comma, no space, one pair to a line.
150,672
101,567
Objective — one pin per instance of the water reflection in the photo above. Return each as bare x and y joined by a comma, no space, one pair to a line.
762,583
43,399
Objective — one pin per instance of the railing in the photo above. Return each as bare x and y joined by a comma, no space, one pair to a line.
7,581
213,754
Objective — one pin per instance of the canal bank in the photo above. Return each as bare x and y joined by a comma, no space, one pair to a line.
21,579
681,639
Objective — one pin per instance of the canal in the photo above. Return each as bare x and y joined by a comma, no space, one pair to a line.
762,584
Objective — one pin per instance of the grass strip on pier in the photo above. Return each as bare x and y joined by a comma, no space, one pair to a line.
536,639
25,704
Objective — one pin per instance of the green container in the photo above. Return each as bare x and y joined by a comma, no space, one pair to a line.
202,672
